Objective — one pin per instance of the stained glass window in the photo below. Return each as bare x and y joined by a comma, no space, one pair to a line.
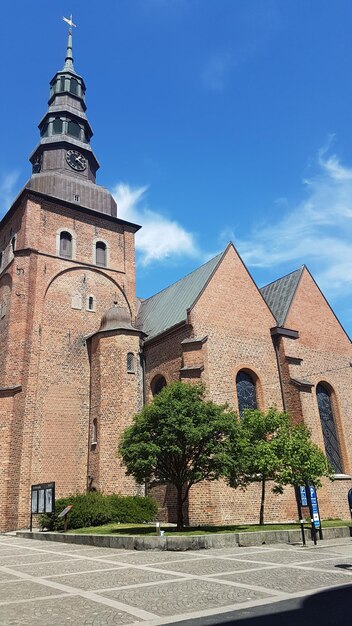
331,442
246,393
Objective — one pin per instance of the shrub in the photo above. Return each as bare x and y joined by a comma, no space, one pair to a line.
94,509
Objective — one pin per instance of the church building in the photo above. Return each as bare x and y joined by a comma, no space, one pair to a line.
80,354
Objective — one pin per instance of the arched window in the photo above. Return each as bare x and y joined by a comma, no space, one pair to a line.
62,83
74,129
158,383
331,442
94,432
74,86
65,245
246,392
100,253
130,362
91,306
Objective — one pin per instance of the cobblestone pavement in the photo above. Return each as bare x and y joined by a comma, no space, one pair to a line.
48,583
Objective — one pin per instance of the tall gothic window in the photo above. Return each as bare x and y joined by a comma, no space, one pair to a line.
100,253
158,383
331,442
66,245
246,392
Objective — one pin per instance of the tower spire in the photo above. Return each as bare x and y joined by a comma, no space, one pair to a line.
69,58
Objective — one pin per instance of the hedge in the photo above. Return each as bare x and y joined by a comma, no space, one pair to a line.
94,509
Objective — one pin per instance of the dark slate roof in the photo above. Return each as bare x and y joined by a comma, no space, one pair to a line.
279,294
169,307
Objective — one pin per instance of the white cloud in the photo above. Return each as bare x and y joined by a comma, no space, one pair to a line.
318,231
160,238
7,190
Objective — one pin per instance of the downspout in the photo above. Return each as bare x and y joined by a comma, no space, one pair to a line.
276,340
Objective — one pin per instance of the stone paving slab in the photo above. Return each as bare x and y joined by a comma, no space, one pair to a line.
70,567
144,558
286,556
288,580
184,596
207,567
23,590
32,557
68,610
112,578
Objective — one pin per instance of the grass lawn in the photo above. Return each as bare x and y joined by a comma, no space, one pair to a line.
149,529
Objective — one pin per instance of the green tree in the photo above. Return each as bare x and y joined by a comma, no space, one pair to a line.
180,439
258,458
302,461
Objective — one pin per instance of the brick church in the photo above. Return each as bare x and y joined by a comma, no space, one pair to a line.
80,353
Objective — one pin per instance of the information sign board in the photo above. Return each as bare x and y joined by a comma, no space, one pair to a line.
42,499
315,510
303,494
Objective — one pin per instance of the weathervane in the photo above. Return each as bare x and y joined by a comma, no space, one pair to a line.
69,21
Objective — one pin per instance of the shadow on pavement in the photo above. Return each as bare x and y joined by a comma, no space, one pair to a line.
326,608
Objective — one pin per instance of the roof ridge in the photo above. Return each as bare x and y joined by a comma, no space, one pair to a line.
144,300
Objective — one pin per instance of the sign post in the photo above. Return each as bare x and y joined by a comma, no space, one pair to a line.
314,512
301,500
64,514
42,500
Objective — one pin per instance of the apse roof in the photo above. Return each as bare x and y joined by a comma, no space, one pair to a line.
279,294
169,307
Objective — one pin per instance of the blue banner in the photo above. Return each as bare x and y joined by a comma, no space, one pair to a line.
303,493
315,510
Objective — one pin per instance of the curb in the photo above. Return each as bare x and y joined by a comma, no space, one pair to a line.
181,544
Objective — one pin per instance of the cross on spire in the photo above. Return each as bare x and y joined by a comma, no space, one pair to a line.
69,57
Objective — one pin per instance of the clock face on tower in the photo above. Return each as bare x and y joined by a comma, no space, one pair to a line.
76,160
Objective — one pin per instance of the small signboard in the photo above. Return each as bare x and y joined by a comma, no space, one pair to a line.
65,511
315,510
42,499
303,495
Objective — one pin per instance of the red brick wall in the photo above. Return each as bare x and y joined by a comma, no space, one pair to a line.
326,354
44,348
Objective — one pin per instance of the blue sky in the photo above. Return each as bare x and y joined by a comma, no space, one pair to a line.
213,120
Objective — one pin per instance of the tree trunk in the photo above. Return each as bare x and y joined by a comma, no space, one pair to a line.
261,514
179,508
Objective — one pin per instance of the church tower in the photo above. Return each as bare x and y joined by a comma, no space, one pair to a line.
65,260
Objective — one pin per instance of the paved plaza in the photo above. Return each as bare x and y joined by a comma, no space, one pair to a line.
48,583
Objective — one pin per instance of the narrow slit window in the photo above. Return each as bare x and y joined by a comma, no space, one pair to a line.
91,303
130,362
94,432
66,245
100,253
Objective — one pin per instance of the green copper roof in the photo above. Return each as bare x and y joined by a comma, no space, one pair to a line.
69,58
279,294
169,307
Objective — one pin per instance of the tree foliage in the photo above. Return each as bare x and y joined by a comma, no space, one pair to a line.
258,459
302,461
181,439
272,448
